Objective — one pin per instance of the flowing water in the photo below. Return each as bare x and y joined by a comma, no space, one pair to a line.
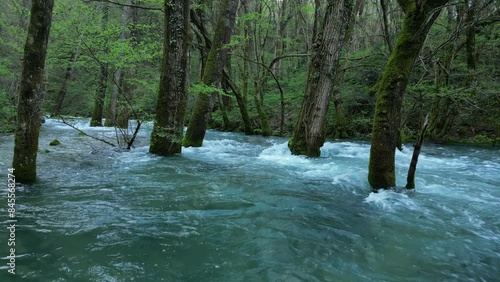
241,208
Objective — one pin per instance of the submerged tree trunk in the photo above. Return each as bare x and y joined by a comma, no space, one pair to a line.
30,93
166,138
97,113
241,100
212,74
309,133
391,87
410,180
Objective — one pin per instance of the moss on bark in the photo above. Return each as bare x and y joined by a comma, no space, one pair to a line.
212,74
166,138
31,90
390,90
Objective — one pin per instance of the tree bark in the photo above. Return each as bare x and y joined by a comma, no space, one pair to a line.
410,180
309,133
166,138
64,87
97,113
96,119
212,74
419,16
30,93
240,99
444,108
385,25
112,110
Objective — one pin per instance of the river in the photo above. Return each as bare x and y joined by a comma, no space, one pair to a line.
241,208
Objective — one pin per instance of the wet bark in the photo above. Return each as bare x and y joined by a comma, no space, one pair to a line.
410,180
30,93
166,138
309,133
391,87
212,74
240,99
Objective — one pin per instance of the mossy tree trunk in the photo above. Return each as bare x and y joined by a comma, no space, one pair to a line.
202,37
97,112
30,93
166,138
419,16
212,73
309,133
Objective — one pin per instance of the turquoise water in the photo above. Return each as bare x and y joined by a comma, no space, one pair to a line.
241,208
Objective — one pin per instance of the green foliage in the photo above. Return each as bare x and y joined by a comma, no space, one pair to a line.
7,113
201,88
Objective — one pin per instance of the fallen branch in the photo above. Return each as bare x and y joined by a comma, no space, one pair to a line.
84,133
410,180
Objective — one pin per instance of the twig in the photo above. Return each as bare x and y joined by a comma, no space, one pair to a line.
84,133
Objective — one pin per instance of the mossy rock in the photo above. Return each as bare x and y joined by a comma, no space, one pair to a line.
55,142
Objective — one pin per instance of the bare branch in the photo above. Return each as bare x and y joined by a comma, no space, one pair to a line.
84,133
127,5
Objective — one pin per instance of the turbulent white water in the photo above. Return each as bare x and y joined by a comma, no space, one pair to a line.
242,208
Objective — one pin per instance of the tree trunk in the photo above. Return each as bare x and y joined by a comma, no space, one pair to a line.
410,180
265,127
309,133
385,25
340,120
96,119
166,138
391,88
97,113
444,108
64,87
113,99
241,100
212,74
30,93
112,111
247,124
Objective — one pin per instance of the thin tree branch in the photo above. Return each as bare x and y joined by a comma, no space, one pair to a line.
127,5
84,133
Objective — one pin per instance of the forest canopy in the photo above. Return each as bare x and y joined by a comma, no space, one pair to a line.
113,49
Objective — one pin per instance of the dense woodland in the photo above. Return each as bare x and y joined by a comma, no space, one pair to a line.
307,69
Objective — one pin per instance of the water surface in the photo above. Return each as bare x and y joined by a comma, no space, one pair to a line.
241,208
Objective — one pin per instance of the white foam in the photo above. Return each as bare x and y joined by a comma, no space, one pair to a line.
280,154
390,200
345,150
